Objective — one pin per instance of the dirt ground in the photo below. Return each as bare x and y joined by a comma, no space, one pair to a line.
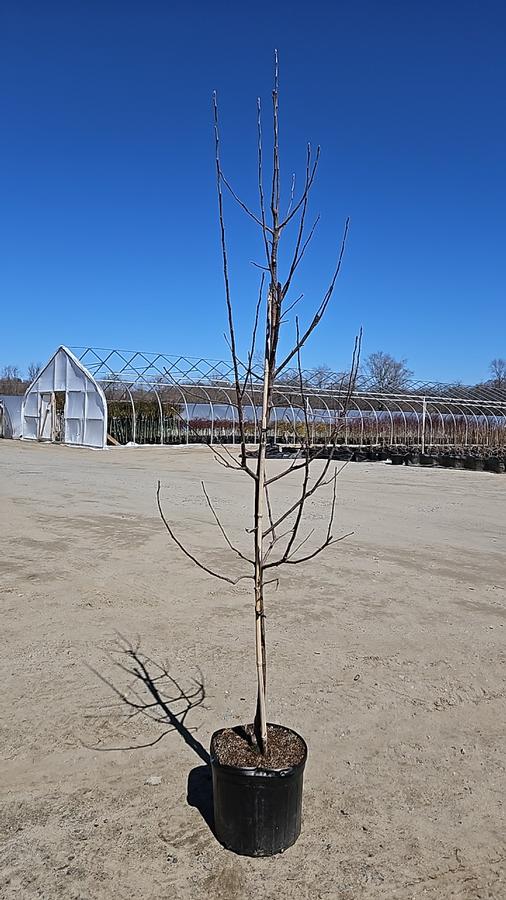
387,654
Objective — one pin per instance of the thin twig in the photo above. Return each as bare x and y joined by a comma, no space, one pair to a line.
308,186
187,553
241,202
220,526
230,314
321,309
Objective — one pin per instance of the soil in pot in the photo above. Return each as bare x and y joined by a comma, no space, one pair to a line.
234,747
257,799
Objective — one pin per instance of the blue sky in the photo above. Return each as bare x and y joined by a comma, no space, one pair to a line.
108,227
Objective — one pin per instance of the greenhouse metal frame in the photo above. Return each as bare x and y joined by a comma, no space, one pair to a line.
421,414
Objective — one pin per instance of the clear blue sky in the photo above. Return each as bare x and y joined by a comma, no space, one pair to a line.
108,229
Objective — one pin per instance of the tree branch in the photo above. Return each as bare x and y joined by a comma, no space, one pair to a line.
220,526
227,285
187,553
288,557
321,309
241,202
307,189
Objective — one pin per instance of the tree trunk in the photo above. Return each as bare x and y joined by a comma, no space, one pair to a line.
261,663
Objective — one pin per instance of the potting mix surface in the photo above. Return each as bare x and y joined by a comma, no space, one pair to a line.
233,747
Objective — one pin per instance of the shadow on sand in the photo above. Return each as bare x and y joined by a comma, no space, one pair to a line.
154,693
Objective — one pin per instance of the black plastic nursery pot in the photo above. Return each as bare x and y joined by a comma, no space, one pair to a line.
342,454
426,460
257,812
473,463
494,464
398,458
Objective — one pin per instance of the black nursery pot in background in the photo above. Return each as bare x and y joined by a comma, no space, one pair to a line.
473,463
257,812
494,464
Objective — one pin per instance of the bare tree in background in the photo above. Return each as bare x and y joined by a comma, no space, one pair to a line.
322,376
33,371
11,381
498,371
11,373
276,535
384,373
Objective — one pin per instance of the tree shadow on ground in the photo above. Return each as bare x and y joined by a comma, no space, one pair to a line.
200,793
154,693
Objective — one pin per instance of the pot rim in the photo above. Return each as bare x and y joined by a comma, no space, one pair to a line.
259,770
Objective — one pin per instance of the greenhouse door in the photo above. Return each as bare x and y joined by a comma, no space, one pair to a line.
46,417
51,416
58,426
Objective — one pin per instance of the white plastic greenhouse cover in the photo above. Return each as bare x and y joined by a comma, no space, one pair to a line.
85,410
10,406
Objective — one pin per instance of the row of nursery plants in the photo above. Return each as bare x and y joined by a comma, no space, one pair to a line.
353,430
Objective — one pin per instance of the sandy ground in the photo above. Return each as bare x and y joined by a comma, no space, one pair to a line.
387,654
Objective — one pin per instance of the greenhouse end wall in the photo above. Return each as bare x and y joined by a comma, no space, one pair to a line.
65,404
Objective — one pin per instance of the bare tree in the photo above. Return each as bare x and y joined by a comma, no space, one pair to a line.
33,371
276,536
384,373
11,381
321,376
498,371
289,377
11,373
